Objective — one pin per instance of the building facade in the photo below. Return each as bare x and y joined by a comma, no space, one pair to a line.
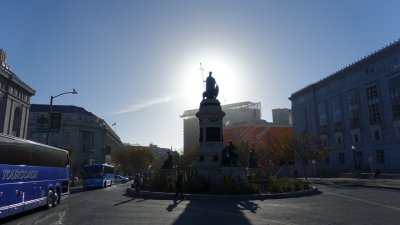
14,101
356,113
282,116
91,139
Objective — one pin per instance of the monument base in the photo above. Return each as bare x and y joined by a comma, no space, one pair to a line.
218,175
168,172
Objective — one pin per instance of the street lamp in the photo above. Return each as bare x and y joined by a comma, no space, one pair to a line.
353,148
51,110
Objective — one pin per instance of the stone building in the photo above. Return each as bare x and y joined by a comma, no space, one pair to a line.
90,137
14,101
356,113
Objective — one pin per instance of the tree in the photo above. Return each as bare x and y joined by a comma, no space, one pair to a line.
284,153
243,149
309,147
132,159
185,160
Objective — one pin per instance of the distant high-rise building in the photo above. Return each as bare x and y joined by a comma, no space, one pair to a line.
90,137
237,113
282,116
14,101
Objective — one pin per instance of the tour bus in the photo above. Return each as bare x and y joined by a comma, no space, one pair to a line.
31,175
97,175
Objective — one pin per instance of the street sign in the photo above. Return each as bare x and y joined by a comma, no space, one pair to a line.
370,158
313,161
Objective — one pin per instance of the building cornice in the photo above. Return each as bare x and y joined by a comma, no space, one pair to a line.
354,67
14,78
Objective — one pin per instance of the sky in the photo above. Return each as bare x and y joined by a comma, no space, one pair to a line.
137,63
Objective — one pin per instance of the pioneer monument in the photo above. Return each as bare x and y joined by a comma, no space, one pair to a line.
213,159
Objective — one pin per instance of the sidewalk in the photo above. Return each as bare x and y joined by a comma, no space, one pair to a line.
392,183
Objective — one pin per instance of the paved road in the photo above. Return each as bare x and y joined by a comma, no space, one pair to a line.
336,205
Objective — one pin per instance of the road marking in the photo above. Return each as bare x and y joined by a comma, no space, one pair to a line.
363,200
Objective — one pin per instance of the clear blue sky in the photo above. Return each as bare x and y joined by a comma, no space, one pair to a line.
136,63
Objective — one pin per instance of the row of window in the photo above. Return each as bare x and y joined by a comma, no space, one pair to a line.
374,108
379,156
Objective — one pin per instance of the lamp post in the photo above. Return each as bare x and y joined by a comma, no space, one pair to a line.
51,110
354,150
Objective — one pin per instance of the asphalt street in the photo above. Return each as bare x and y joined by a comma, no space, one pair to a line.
335,205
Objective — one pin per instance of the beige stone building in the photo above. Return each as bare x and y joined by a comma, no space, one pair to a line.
14,101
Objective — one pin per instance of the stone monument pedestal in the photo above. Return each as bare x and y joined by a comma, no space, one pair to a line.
210,116
168,172
208,160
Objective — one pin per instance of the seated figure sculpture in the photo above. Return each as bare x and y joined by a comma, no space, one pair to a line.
230,155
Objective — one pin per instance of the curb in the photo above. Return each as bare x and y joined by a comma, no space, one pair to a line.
356,184
164,195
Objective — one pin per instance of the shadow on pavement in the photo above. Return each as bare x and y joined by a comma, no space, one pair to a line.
214,212
123,202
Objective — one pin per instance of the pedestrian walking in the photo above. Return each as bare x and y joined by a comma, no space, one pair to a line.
138,182
179,187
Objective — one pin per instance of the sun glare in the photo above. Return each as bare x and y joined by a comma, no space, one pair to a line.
223,70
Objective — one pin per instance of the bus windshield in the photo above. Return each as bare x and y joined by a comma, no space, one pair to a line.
91,172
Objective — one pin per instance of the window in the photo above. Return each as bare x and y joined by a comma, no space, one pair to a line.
303,119
376,135
394,91
337,110
356,138
354,108
374,113
372,92
373,104
341,158
339,140
201,158
322,114
380,156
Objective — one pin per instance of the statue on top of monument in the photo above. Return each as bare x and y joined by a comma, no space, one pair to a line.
212,88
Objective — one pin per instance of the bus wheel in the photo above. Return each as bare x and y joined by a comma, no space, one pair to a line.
56,198
104,184
50,199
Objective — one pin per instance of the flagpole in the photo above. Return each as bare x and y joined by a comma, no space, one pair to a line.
115,126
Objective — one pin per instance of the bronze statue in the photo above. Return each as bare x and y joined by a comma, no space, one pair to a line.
212,88
168,162
230,155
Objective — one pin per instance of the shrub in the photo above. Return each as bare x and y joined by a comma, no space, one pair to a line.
161,182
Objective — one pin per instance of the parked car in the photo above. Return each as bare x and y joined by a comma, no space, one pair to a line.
120,179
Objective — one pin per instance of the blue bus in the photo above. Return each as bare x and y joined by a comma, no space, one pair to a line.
97,175
31,175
